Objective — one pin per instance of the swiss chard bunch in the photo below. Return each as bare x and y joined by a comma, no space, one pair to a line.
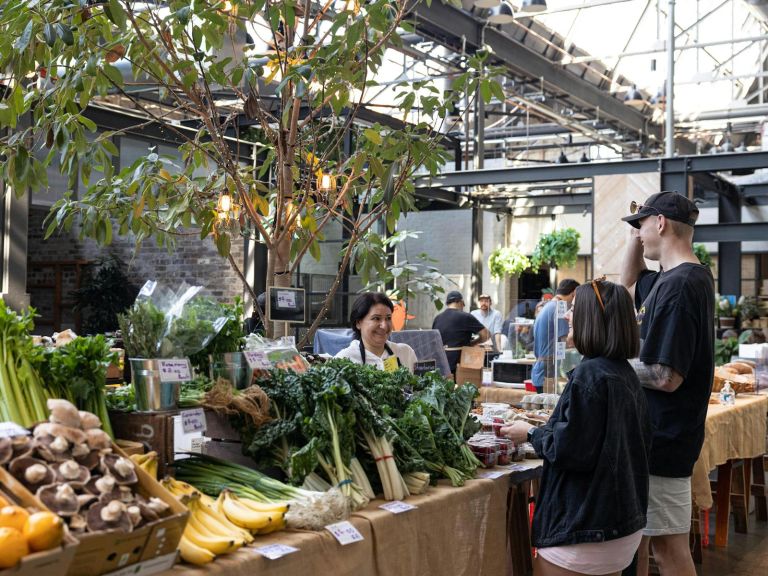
191,331
77,372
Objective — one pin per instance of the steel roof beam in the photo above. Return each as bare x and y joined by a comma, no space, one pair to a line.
446,22
737,232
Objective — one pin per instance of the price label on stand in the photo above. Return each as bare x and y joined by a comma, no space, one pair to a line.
397,507
562,308
193,420
560,351
257,360
11,429
275,551
175,370
492,474
345,532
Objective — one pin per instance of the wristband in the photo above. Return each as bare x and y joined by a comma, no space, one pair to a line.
529,436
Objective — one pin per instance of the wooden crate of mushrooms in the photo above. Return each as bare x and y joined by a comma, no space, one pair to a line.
117,511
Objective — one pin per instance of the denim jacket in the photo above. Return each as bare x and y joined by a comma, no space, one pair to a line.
595,448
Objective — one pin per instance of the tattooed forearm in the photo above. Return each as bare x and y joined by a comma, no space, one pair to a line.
656,376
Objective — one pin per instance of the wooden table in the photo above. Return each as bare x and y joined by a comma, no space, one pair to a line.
732,434
497,394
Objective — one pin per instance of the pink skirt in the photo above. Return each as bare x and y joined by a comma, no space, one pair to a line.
594,557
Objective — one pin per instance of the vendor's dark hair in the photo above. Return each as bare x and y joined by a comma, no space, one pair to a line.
566,287
611,332
363,304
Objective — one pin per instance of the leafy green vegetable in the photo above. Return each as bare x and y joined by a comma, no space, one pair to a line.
231,337
77,372
142,327
121,398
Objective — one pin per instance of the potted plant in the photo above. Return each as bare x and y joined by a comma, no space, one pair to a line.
726,311
508,261
556,249
749,310
702,254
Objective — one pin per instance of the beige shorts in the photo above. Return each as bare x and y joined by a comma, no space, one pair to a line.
669,506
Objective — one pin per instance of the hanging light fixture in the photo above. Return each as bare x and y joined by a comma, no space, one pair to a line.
562,159
501,14
533,6
227,209
326,182
585,158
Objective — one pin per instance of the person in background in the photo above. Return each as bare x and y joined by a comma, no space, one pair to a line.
590,511
371,320
543,333
675,365
488,317
254,325
458,328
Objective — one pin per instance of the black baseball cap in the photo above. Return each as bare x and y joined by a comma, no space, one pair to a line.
453,296
669,204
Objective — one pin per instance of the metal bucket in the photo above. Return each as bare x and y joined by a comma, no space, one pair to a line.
231,366
152,395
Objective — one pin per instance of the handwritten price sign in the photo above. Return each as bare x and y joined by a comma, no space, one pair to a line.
193,420
257,359
344,532
275,551
175,370
397,507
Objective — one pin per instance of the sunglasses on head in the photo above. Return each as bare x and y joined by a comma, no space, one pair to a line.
634,208
597,290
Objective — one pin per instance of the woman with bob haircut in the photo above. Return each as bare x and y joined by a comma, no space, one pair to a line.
591,507
371,320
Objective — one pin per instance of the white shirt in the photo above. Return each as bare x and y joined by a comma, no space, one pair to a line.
404,353
492,321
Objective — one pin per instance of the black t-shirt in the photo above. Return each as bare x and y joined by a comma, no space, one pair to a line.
677,330
456,329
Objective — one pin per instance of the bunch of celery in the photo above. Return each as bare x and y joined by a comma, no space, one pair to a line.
22,396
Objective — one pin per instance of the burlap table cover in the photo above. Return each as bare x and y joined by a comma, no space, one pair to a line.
454,531
731,432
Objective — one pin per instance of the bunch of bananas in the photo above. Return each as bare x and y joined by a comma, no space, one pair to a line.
223,525
147,462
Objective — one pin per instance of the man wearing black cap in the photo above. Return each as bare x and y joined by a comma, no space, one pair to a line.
675,366
458,328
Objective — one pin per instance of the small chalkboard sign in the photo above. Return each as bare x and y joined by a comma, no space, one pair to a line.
421,368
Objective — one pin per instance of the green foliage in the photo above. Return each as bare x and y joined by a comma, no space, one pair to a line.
508,261
410,278
106,292
61,56
142,327
727,347
702,254
231,337
557,249
749,308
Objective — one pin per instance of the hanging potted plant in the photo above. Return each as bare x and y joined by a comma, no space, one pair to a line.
726,311
556,249
507,261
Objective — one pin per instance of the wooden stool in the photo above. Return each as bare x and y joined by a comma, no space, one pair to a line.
759,465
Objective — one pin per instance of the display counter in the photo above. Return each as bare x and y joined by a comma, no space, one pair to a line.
452,531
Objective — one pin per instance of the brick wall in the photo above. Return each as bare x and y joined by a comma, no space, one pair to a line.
193,261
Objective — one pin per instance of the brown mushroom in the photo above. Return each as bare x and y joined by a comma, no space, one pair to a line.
53,448
6,450
63,412
85,500
98,439
100,485
134,513
77,524
123,469
72,473
147,513
59,498
89,420
108,516
22,446
71,435
91,458
158,506
32,472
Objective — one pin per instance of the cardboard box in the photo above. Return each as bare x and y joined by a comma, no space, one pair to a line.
472,357
105,552
229,451
471,375
53,562
153,429
217,426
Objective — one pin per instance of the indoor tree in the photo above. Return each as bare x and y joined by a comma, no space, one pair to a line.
300,72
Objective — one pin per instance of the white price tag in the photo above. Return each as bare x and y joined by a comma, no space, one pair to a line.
275,551
492,474
562,308
11,429
257,359
193,420
175,370
196,445
560,351
397,507
344,532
